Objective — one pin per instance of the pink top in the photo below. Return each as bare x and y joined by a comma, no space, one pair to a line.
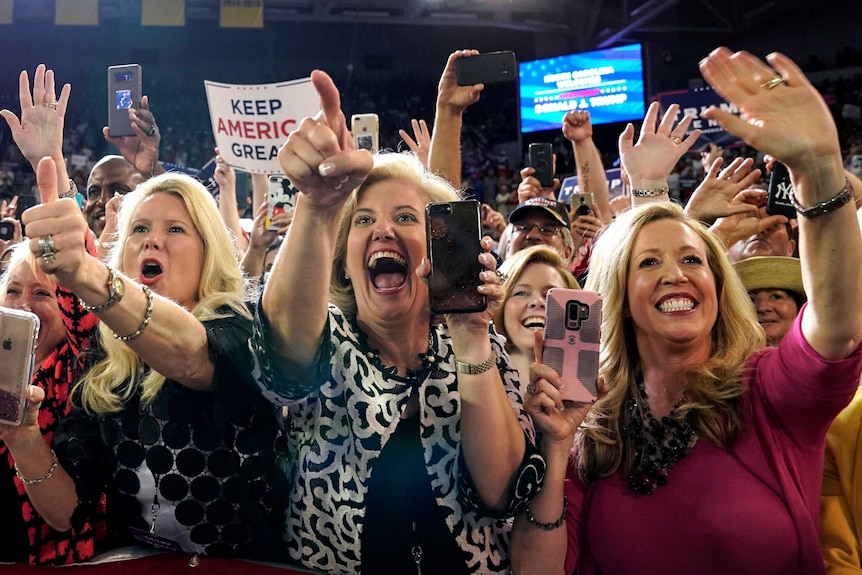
753,509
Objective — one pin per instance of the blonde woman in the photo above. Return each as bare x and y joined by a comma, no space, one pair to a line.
529,274
705,455
161,416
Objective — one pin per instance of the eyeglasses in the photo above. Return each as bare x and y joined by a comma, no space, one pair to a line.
547,230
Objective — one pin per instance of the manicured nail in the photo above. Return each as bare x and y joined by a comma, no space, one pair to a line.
326,168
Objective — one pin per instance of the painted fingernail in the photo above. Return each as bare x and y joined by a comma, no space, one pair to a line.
326,168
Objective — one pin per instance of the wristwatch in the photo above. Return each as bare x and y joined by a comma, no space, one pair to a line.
116,291
73,190
476,368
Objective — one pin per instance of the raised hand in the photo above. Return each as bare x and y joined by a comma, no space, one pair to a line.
56,228
577,126
421,146
39,131
142,149
529,187
713,198
659,147
787,119
449,94
319,158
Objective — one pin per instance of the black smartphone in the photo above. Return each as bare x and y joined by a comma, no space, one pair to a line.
453,230
780,188
540,158
18,333
488,68
7,231
124,92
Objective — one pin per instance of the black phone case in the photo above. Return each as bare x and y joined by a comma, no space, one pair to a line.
453,231
539,157
488,68
780,188
124,92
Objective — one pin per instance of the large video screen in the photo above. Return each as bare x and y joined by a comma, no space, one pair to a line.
608,83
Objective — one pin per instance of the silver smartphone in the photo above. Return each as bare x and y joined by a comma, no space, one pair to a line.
124,92
18,333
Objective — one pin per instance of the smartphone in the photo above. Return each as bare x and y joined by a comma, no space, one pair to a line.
124,92
454,233
280,198
18,333
778,195
488,68
365,129
581,204
540,157
573,325
7,231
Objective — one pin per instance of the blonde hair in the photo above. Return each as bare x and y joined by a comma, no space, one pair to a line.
403,167
712,402
20,254
105,388
514,267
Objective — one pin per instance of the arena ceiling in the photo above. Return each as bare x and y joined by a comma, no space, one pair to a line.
590,23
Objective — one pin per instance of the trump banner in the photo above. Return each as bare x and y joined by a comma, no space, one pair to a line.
251,121
693,103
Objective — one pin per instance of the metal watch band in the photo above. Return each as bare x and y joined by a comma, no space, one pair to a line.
477,368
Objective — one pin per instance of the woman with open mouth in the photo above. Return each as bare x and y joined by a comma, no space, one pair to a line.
409,438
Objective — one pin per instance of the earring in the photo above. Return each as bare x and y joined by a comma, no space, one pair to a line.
346,275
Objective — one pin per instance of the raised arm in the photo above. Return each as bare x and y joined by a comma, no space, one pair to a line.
592,179
225,176
787,118
444,158
320,160
142,149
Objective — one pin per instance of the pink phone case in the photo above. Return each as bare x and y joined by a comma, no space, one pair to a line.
572,339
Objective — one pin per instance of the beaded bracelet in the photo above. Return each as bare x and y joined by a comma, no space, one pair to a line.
652,192
44,477
823,208
147,316
548,526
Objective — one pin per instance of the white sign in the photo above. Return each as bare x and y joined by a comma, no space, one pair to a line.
251,121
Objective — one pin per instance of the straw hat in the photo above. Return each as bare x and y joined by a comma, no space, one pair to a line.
771,272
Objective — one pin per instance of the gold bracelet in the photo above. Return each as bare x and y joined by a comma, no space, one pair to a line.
116,291
652,192
147,316
44,477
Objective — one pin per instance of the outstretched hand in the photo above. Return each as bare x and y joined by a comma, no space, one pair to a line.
421,146
142,149
39,131
659,147
789,121
713,198
319,158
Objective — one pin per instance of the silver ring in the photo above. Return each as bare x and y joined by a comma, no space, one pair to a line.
152,131
501,276
776,80
52,105
675,140
48,249
531,388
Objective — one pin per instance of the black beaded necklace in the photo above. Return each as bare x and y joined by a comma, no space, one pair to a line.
658,446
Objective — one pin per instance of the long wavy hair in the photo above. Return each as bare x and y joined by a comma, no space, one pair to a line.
712,402
404,167
115,379
514,267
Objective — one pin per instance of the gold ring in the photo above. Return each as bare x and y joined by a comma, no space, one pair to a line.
675,140
52,105
776,80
